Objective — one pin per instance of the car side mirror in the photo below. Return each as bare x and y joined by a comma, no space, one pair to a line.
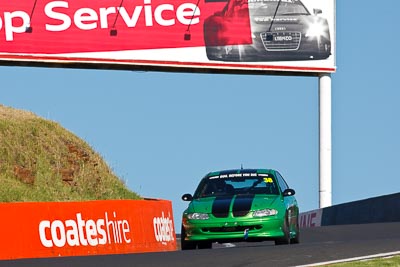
187,197
317,11
289,192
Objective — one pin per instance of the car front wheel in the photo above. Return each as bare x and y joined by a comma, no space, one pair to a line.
186,245
285,240
296,239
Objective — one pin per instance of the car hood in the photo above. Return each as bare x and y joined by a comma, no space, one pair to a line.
300,22
236,205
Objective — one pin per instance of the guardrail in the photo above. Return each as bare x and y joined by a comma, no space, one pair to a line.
372,210
52,229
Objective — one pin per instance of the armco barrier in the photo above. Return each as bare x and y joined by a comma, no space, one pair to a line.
372,210
52,229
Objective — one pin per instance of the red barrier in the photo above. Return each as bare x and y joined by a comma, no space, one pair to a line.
50,229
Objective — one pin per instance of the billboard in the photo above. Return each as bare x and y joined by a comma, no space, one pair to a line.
196,35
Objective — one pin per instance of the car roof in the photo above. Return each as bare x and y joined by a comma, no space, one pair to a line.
222,172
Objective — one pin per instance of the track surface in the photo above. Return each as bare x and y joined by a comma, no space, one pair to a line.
317,245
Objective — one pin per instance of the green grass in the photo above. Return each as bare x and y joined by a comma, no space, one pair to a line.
42,161
381,262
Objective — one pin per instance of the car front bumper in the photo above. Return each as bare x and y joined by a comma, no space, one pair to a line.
237,230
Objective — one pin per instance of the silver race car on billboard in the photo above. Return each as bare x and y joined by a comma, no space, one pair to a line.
266,30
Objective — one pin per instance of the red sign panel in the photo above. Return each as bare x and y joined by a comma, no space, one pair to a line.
35,230
95,26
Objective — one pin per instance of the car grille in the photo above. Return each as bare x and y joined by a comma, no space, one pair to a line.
231,229
281,41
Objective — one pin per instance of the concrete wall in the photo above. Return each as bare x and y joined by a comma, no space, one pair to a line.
372,210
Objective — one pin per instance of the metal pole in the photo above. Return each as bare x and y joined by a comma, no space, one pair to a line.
325,140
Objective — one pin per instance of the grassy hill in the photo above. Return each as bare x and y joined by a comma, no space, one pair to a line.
41,161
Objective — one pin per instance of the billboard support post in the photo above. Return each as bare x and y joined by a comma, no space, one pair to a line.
325,140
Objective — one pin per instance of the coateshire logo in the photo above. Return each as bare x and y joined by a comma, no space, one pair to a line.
163,229
80,232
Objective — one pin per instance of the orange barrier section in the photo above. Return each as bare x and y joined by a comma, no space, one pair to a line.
52,229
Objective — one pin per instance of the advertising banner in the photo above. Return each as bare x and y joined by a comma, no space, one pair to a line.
311,218
259,35
52,229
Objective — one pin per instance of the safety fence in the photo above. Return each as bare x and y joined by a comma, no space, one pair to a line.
372,210
52,229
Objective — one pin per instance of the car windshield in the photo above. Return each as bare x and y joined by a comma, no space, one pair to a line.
235,184
268,8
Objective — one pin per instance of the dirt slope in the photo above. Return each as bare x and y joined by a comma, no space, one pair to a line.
42,161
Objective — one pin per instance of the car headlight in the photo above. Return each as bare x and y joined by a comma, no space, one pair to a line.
265,213
316,29
198,216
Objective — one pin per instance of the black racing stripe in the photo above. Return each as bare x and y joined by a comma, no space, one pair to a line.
242,205
221,205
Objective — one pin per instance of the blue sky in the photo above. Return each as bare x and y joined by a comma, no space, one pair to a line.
162,132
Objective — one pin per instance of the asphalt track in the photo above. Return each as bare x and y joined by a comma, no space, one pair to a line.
317,245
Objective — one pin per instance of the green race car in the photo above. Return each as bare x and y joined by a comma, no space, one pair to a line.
240,205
